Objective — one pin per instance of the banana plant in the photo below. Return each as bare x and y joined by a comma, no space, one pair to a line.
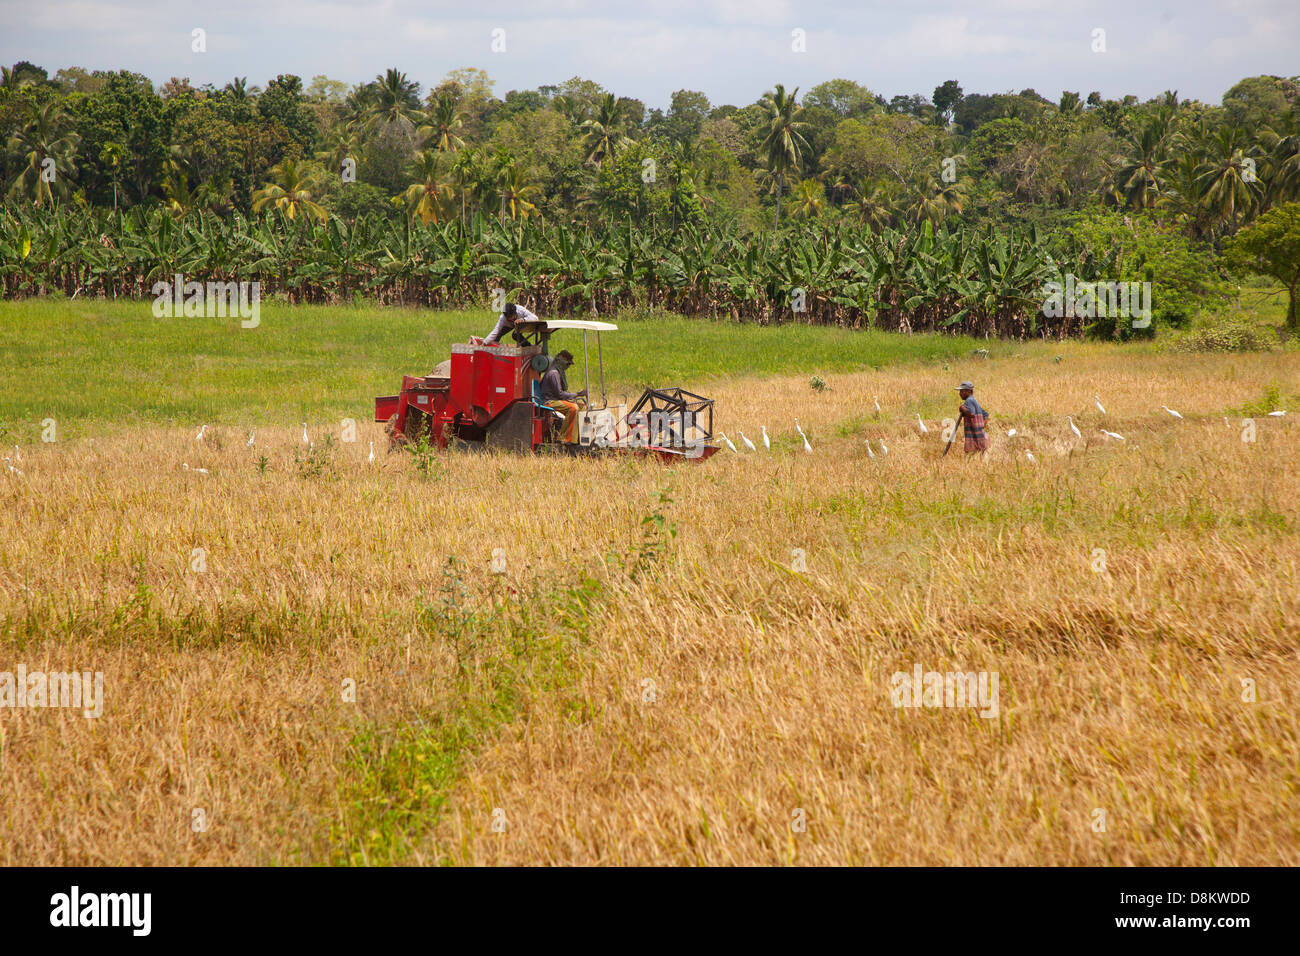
917,277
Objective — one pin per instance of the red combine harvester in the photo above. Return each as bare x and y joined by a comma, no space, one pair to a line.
488,397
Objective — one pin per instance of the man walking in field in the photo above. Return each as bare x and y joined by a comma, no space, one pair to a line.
556,395
973,420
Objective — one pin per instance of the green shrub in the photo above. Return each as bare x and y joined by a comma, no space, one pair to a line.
1228,334
1136,247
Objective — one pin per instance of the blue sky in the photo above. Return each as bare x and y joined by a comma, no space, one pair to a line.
733,50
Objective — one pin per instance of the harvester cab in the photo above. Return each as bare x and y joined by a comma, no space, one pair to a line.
485,397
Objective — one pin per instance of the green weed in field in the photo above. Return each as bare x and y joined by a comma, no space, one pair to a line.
401,777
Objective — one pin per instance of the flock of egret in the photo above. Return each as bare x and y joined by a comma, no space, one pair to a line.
767,442
12,463
924,430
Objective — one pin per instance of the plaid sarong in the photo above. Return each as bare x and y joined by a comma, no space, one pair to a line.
973,436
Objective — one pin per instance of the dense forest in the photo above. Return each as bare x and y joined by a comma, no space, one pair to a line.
832,204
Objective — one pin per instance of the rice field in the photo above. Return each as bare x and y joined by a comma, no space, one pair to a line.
310,657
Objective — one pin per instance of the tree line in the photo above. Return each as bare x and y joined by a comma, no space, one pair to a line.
574,159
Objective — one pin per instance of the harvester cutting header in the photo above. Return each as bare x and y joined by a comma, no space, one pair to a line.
514,397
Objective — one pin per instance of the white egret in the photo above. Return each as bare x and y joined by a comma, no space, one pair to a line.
1277,414
372,452
1100,407
1030,456
1171,411
870,454
877,401
883,449
250,437
748,444
806,447
18,455
924,430
186,466
1073,427
723,436
1011,433
199,436
1112,435
305,439
767,442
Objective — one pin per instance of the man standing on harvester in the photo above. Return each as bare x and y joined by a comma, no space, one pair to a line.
512,315
556,395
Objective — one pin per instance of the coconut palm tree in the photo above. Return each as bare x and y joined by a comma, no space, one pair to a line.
810,199
424,197
1282,162
936,201
517,193
239,90
215,194
13,80
603,138
177,197
395,100
342,143
1181,192
784,145
444,119
359,106
1143,165
1228,184
290,190
873,208
48,148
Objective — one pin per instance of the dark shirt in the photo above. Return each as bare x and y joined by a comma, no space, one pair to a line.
555,386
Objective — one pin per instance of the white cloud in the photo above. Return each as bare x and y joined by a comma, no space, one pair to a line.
731,49
947,37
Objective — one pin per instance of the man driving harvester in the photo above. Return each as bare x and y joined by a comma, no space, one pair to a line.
555,394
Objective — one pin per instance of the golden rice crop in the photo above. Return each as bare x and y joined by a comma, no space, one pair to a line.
684,664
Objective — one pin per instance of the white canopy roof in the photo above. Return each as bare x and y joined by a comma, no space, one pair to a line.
576,324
